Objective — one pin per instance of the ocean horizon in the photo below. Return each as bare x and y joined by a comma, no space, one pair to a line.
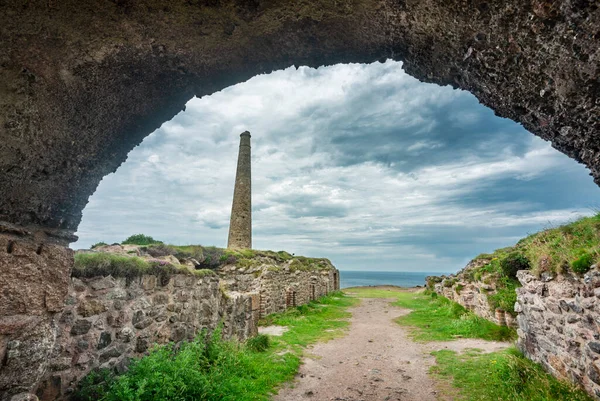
356,278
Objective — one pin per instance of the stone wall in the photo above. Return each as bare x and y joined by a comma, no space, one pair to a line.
283,286
558,319
107,320
559,325
472,294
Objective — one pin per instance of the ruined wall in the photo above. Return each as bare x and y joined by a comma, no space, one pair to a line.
107,320
474,297
283,286
559,325
558,320
472,294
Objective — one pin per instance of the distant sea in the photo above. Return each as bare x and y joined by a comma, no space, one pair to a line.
402,279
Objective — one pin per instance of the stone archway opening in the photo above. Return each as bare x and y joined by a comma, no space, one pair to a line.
83,82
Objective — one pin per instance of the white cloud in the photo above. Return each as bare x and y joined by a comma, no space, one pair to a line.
362,164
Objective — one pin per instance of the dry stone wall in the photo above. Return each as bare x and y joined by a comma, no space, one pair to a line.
559,325
472,294
107,320
283,286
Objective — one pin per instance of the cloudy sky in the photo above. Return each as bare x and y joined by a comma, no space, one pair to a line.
362,164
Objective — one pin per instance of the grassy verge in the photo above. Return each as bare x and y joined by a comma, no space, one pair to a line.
504,375
210,368
435,318
105,264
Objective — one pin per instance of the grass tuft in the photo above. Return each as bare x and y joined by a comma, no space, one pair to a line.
259,343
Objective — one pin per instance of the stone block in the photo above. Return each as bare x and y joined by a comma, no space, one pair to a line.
90,307
104,340
102,283
112,352
149,282
81,326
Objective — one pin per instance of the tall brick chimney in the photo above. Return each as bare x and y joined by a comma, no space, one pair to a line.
240,226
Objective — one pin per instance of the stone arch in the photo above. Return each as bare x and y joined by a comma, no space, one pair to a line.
82,82
78,98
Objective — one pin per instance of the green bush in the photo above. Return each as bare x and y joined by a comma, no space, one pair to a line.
93,386
505,297
583,263
97,244
259,343
140,239
512,263
449,282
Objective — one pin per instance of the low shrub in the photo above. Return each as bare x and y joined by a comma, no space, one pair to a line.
505,297
212,258
449,282
259,343
93,386
140,239
459,288
106,264
514,262
158,250
583,263
97,244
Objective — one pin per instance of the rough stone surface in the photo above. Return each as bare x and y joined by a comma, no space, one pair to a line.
130,316
565,340
240,225
84,81
34,279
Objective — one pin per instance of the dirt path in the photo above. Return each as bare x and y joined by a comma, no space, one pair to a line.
375,361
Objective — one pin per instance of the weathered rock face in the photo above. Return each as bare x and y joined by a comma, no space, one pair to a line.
34,280
559,325
83,81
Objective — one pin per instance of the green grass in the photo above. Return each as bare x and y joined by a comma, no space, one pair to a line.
105,264
210,368
315,321
505,296
504,375
435,318
559,249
